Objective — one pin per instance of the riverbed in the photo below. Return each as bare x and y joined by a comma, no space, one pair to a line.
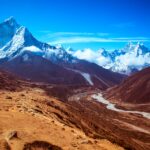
98,97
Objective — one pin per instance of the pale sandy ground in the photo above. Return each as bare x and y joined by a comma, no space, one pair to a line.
16,114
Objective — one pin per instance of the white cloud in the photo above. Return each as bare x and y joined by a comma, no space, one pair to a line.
92,56
54,34
86,37
55,37
103,61
86,54
130,59
133,58
66,40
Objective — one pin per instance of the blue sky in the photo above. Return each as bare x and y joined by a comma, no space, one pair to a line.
82,23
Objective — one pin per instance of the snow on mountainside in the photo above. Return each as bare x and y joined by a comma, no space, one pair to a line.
21,40
16,39
29,58
7,30
85,75
132,58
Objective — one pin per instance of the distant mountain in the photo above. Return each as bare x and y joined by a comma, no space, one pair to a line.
134,89
27,57
36,68
132,58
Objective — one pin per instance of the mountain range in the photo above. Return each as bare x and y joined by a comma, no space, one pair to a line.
47,116
132,58
50,98
21,53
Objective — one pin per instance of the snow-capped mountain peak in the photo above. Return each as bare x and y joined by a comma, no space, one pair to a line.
133,57
22,40
7,30
22,30
19,38
21,52
16,43
11,21
16,39
24,36
20,35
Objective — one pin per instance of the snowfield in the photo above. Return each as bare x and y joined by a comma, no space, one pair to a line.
86,76
32,49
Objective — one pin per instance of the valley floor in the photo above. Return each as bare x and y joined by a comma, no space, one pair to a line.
26,118
30,117
126,122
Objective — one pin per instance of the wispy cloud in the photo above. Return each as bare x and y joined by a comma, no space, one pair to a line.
92,56
50,33
61,35
87,37
66,40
